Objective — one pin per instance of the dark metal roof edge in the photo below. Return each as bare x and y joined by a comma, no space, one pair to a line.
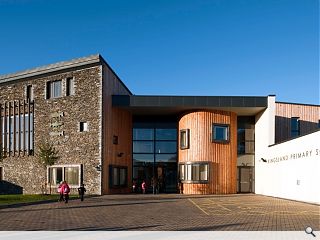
78,62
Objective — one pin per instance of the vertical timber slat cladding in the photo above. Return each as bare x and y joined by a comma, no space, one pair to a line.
222,157
308,115
116,122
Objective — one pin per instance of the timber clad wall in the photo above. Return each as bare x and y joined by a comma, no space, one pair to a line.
222,157
309,116
74,147
116,122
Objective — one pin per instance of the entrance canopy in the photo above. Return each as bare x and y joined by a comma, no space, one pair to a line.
173,105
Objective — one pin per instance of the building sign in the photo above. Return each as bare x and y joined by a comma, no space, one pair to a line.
296,155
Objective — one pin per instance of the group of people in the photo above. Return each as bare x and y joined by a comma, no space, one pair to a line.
156,184
64,191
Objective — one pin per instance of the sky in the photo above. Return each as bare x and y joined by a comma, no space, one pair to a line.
174,47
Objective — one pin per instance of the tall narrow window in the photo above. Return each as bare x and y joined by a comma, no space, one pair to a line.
1,173
29,93
54,89
295,127
70,87
220,133
184,138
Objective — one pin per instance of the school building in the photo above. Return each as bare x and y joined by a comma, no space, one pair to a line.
107,137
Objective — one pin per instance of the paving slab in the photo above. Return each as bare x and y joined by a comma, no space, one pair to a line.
165,212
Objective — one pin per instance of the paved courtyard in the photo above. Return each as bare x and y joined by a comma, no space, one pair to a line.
165,212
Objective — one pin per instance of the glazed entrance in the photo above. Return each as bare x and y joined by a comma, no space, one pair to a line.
155,156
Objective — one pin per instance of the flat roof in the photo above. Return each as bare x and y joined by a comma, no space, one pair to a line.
172,105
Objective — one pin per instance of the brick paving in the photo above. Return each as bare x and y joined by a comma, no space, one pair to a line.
165,212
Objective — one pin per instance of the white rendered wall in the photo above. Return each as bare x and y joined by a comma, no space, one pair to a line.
264,136
292,170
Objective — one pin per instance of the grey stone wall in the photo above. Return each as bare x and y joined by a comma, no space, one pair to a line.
74,147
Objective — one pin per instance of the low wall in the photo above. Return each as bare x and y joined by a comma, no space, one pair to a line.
291,170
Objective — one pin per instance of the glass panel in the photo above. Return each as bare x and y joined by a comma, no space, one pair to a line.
181,172
55,175
195,172
115,176
166,157
166,147
142,134
294,124
56,89
123,176
220,133
166,134
188,172
71,175
204,172
143,147
140,159
184,139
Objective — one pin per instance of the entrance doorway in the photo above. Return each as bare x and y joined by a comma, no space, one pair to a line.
160,177
245,179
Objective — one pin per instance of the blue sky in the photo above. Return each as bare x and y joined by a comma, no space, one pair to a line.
168,47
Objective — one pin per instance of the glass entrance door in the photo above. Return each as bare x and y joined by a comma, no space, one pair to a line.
155,156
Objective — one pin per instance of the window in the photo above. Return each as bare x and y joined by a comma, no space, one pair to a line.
54,89
68,173
83,127
184,138
295,127
319,124
15,136
1,173
118,176
29,93
220,133
194,172
70,87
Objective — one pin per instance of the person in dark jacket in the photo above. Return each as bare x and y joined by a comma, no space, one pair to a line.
81,191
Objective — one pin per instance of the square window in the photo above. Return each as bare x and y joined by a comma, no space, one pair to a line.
54,89
220,133
184,138
83,126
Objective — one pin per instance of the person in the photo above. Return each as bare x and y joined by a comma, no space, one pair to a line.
180,185
144,186
81,191
65,190
60,192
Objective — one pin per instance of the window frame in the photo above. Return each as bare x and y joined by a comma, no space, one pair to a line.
29,92
70,91
50,90
188,171
63,166
186,144
83,126
227,126
295,132
118,169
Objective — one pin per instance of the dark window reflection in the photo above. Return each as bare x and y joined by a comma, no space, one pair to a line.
166,134
143,134
166,147
166,157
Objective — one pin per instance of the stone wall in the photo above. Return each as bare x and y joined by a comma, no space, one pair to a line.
74,147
